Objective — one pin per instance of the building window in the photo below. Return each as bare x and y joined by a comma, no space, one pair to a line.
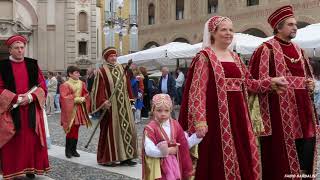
255,32
82,48
151,13
83,22
252,2
183,40
212,6
151,44
179,9
302,24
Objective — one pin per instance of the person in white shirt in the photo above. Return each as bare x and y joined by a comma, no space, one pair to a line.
52,90
179,86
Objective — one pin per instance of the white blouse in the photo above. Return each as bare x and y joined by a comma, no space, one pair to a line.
153,151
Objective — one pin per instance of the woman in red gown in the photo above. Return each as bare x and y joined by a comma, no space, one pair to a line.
215,106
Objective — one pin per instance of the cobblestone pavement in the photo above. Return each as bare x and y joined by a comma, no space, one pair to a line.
65,170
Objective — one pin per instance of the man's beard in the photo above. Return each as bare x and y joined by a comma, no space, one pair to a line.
292,35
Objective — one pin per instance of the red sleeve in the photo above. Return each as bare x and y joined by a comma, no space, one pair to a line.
255,85
253,81
130,93
86,95
1,85
15,99
197,92
99,91
308,66
255,62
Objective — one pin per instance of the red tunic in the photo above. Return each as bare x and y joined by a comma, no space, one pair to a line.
68,106
24,152
215,95
279,156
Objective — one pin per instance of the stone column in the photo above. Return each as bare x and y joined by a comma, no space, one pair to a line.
60,49
93,33
42,35
70,32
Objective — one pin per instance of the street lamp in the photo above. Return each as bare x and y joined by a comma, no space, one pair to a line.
119,25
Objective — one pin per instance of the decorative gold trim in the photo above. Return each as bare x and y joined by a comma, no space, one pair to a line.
27,170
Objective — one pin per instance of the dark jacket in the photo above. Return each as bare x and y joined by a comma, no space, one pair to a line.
171,86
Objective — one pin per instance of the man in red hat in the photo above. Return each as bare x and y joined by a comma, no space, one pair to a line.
22,96
118,138
288,141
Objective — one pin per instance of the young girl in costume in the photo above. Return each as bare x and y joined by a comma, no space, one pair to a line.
166,153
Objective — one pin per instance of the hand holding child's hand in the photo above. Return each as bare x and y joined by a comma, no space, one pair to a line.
163,147
173,150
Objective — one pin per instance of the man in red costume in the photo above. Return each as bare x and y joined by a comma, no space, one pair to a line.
22,96
118,138
288,141
75,103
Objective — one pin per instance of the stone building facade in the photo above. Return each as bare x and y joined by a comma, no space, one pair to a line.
165,21
60,32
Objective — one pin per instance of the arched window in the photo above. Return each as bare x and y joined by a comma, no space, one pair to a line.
255,32
183,40
179,9
302,24
212,6
151,13
83,22
151,44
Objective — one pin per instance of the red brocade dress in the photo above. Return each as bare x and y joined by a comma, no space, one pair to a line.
215,96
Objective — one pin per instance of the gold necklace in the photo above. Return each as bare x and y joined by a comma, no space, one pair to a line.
294,60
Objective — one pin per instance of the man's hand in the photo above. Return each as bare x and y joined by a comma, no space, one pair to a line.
24,100
107,104
279,84
310,84
201,131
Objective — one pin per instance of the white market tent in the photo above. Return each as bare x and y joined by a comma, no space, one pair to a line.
307,38
157,53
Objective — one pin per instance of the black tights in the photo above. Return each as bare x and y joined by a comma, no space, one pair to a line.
305,150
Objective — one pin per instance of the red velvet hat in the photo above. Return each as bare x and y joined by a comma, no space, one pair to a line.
279,15
14,39
107,52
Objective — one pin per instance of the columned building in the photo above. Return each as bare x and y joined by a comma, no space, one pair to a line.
60,32
165,21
